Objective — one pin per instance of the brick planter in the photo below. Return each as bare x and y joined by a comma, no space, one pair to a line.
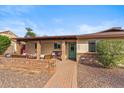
28,65
88,58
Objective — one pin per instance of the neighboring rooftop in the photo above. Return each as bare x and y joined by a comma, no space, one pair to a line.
115,32
8,32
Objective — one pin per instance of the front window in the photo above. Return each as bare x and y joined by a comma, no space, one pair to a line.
57,45
92,46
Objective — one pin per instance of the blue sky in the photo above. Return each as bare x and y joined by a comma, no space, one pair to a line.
60,20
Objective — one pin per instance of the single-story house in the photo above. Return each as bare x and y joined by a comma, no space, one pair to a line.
70,46
12,48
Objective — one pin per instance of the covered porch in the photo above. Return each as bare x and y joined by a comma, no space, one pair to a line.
47,47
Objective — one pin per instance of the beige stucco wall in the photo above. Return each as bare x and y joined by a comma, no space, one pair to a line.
11,48
82,46
48,47
30,47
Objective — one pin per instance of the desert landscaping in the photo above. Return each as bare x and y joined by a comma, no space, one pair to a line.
24,73
95,76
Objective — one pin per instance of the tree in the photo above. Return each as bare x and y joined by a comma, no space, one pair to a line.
110,52
30,32
4,43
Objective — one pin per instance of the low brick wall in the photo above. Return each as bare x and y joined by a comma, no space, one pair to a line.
19,60
88,58
29,65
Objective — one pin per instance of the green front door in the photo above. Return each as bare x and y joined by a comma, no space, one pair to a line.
72,50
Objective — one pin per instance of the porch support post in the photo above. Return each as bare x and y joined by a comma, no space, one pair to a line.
63,51
38,50
18,48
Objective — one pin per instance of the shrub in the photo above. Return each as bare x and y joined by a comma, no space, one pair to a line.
110,52
4,43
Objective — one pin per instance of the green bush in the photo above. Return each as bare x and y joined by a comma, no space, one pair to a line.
110,52
4,43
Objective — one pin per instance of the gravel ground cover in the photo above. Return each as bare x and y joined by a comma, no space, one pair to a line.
24,73
98,77
18,79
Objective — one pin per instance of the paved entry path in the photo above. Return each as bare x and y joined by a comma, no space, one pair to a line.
65,76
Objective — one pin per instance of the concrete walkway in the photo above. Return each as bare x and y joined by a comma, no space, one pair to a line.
65,76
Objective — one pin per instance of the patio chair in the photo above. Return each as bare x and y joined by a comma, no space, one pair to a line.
31,56
57,54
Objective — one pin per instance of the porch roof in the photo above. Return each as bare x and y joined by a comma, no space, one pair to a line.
66,37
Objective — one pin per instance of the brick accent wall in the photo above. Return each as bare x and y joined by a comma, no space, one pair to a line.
87,58
28,64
